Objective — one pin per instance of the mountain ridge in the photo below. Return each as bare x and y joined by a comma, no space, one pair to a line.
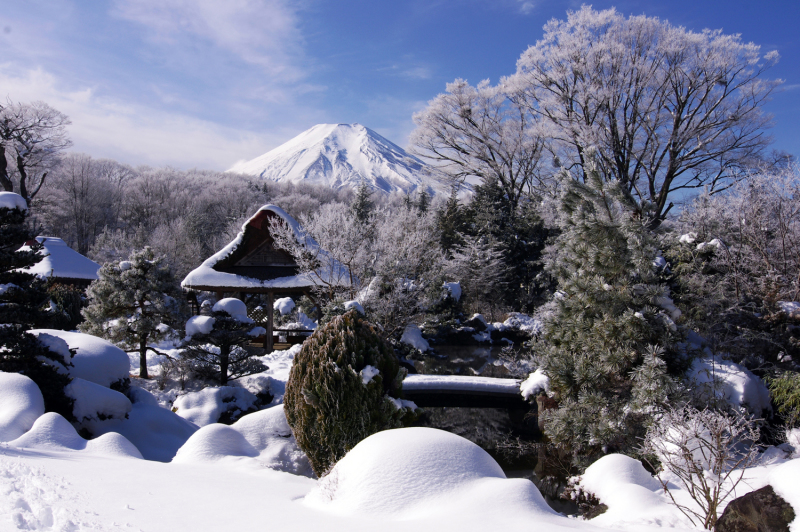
343,155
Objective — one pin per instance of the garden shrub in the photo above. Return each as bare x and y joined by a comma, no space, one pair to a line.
344,386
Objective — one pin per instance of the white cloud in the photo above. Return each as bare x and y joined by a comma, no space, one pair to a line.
137,134
526,7
260,32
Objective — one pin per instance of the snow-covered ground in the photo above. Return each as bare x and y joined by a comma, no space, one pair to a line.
251,475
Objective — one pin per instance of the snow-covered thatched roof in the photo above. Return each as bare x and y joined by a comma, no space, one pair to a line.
62,262
251,262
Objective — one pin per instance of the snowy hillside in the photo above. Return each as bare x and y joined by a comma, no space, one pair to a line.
343,155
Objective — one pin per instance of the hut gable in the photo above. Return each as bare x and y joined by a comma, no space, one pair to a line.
256,255
252,263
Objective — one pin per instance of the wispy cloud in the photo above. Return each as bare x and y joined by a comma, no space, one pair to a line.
136,133
260,32
526,7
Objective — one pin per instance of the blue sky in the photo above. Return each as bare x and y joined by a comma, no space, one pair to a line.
205,83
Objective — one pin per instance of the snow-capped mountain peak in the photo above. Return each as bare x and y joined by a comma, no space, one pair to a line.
343,155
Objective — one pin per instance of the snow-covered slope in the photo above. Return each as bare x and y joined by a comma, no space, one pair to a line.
343,155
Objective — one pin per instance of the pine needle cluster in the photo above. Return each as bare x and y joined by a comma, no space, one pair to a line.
608,346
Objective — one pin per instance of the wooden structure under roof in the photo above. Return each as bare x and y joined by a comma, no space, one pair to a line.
251,264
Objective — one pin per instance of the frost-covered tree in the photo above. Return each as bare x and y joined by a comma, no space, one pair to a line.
480,268
215,343
390,265
665,108
134,302
481,132
81,199
707,451
32,136
608,346
736,257
23,303
362,204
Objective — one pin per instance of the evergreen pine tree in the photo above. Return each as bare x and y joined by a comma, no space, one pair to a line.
132,301
450,221
607,348
22,306
518,233
219,354
362,204
423,201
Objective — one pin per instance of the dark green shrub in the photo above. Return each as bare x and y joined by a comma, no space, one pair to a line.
327,403
785,391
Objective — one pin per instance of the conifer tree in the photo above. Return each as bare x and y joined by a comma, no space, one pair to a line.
608,347
22,306
131,303
216,350
362,204
450,221
518,232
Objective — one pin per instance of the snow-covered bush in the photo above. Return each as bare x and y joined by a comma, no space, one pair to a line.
264,436
342,388
131,301
215,343
224,404
415,474
706,452
21,403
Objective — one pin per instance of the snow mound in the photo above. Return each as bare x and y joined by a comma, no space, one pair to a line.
234,307
21,403
783,479
156,432
419,472
52,432
284,305
206,406
412,336
354,305
96,360
264,436
95,402
269,433
214,442
10,200
523,322
630,492
731,382
790,308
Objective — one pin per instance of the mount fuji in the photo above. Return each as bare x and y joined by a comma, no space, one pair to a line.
344,155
